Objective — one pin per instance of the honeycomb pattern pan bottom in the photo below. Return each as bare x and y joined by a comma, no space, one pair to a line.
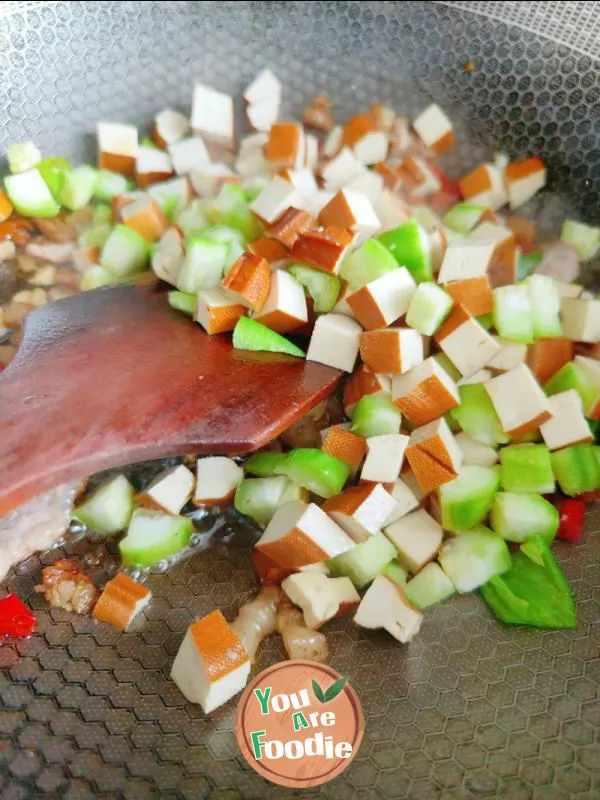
470,709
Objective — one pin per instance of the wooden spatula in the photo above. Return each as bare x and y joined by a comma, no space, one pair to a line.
114,376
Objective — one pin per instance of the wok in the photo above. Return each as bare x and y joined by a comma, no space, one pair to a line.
470,708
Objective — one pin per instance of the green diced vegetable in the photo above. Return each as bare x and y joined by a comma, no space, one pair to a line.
110,184
154,535
203,266
234,253
512,313
30,195
576,469
429,587
78,187
231,208
125,252
375,415
573,376
472,558
259,498
97,276
466,501
146,141
103,214
22,157
184,301
526,468
477,417
545,306
463,217
109,509
251,335
363,563
53,172
409,244
321,286
223,233
264,464
448,366
315,470
517,517
527,263
245,221
367,263
429,307
584,238
486,321
396,572
191,220
534,591
95,236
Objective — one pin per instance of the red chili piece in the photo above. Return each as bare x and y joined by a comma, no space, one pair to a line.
572,515
15,618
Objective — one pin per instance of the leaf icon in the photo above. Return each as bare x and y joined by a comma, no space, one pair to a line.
318,692
335,688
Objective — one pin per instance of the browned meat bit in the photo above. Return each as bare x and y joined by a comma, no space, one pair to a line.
56,229
66,585
318,114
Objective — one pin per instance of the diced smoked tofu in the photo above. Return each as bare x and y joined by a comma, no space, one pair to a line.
345,445
322,249
581,320
523,180
216,312
285,147
301,533
251,163
418,179
320,598
212,664
390,210
383,116
385,606
484,186
519,401
289,225
367,183
341,169
389,174
335,341
217,478
567,425
356,128
188,155
263,97
435,129
152,166
591,368
318,114
438,244
394,350
268,249
466,343
465,259
285,307
385,456
360,510
433,455
333,141
6,209
267,571
169,127
417,537
311,151
248,281
212,114
473,294
266,84
208,178
263,115
425,393
383,300
302,180
364,381
546,356
146,218
481,376
117,147
405,501
169,491
352,211
502,269
511,354
373,147
121,601
275,198
567,290
474,453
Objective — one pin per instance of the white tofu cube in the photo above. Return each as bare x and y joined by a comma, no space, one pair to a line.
208,178
263,115
466,343
264,86
567,290
320,598
390,210
117,147
301,533
417,537
169,491
164,192
567,425
169,127
383,300
435,129
285,307
189,154
361,510
335,341
369,183
276,198
405,501
333,141
481,376
341,169
168,257
418,178
465,259
474,453
372,148
385,606
385,456
153,164
511,354
217,478
581,320
251,163
212,665
212,114
311,154
519,401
